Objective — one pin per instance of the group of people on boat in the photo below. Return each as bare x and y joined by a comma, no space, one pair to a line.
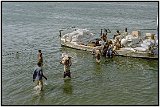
108,46
124,40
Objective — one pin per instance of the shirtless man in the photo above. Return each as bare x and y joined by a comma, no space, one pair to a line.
66,61
40,58
98,55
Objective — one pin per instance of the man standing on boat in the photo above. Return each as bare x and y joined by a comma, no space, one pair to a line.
66,61
117,34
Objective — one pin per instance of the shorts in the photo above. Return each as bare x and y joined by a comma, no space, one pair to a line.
40,61
68,73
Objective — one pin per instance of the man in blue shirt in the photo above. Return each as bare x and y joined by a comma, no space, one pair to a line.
38,74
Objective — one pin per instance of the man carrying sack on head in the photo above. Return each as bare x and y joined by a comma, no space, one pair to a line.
66,61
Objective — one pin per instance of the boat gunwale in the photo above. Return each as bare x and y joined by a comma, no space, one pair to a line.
81,47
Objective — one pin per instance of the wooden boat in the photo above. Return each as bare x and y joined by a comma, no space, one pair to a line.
127,52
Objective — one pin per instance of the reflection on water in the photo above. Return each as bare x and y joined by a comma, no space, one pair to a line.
98,67
67,86
151,63
38,98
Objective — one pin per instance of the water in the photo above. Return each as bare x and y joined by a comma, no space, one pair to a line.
30,26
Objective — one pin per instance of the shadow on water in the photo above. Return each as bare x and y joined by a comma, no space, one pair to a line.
109,60
67,87
152,63
98,67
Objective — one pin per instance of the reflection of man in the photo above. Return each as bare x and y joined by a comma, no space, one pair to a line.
67,87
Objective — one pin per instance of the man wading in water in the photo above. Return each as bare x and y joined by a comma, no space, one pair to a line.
37,75
66,61
97,54
40,58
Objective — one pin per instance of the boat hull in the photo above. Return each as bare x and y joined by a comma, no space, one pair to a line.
120,52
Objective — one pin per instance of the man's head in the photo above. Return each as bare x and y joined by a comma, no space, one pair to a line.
39,51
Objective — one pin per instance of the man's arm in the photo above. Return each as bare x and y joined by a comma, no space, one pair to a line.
44,76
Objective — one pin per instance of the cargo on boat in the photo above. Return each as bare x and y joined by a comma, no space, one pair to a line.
131,45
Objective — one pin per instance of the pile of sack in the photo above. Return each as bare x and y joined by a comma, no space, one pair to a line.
149,44
78,36
131,40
